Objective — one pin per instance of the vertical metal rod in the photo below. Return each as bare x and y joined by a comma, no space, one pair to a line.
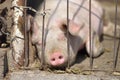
43,41
115,34
90,34
68,40
26,36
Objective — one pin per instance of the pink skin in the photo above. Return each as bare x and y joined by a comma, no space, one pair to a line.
57,59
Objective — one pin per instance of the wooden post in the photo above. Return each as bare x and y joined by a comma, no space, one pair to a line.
17,35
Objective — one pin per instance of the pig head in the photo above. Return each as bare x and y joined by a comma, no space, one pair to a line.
55,31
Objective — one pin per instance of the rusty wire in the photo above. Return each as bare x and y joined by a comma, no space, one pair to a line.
90,35
3,26
26,36
68,40
43,35
115,34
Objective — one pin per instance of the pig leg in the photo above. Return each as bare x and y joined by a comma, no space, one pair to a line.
97,48
109,30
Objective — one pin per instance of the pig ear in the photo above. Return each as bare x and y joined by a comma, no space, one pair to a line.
29,22
73,28
32,25
34,30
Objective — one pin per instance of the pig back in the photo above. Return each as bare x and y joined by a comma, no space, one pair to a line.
78,12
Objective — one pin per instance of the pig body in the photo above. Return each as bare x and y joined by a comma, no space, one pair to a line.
56,30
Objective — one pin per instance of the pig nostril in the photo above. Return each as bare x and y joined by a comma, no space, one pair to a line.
60,57
53,59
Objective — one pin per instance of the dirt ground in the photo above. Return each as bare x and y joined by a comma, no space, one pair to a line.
105,61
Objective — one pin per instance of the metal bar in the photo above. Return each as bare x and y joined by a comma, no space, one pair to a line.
97,70
116,55
43,41
26,36
115,40
90,34
68,40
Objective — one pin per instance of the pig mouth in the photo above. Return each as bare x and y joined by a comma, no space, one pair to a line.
61,66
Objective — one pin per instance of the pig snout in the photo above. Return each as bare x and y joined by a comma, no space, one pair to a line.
57,59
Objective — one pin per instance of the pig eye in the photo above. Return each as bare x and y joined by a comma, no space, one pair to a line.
64,27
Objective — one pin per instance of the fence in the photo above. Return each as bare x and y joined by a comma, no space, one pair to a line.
115,49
